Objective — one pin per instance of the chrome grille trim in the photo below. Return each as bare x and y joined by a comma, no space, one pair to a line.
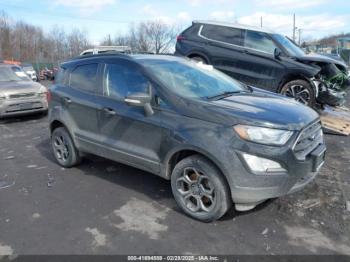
308,139
22,95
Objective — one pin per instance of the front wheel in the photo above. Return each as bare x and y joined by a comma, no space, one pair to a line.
200,189
301,91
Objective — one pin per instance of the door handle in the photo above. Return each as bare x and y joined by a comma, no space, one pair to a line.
109,111
67,100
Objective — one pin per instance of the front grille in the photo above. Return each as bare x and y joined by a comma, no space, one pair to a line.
309,138
22,95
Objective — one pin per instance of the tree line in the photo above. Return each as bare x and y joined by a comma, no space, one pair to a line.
24,42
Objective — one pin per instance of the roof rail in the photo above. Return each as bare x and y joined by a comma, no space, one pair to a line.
233,25
109,53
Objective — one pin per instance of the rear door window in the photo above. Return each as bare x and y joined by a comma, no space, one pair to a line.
259,41
84,77
121,80
223,34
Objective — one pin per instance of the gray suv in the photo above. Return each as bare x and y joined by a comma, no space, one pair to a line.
19,95
217,140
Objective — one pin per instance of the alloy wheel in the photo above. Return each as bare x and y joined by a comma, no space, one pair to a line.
61,148
299,93
196,190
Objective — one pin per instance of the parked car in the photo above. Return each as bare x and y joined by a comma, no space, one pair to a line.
106,49
263,58
29,70
19,94
217,140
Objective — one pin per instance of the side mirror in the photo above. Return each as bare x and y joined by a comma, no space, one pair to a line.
141,100
277,53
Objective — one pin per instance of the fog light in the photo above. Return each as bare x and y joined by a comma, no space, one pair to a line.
262,165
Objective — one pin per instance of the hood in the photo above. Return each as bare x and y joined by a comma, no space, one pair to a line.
320,58
260,108
9,88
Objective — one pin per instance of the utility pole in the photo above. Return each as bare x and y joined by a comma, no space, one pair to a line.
299,31
294,27
261,21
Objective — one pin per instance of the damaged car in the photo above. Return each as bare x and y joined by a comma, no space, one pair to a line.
218,141
263,58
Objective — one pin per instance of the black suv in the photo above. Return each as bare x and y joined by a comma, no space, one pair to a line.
217,140
265,59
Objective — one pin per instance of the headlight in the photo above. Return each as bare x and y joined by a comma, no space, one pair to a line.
43,91
42,94
263,135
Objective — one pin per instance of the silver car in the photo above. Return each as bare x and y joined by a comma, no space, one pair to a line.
19,95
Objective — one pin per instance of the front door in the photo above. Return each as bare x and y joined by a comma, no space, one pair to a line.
127,135
259,67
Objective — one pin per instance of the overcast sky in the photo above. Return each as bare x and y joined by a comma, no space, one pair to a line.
101,17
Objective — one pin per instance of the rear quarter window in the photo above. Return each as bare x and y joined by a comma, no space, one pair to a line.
223,34
84,77
191,31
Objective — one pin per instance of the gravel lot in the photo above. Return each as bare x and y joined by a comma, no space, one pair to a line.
103,207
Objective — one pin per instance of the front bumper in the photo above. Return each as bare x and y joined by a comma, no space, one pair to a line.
276,185
249,189
16,107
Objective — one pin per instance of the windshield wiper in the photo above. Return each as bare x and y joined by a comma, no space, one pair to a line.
224,94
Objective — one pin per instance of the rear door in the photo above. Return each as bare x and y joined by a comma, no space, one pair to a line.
224,47
79,101
127,135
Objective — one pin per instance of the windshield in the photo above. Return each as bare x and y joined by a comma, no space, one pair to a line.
12,74
292,49
192,80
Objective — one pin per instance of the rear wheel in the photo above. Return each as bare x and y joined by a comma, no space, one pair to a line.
301,91
64,150
200,189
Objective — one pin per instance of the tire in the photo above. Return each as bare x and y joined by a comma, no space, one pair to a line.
301,91
199,59
64,150
200,189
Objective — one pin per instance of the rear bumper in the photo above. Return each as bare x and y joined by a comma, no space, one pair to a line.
10,108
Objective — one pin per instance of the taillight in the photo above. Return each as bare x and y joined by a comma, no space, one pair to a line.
180,38
48,96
